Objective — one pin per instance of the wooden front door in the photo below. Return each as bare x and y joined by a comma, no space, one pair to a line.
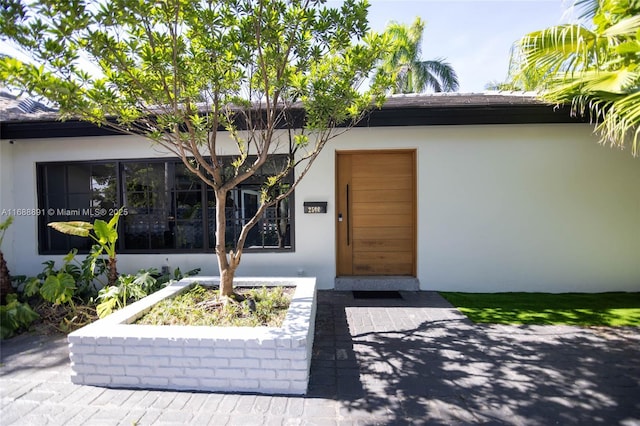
376,207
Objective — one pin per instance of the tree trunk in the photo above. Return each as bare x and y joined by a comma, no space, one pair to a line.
5,280
226,266
226,282
112,276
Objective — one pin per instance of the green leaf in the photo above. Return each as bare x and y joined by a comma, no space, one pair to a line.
145,280
108,292
411,74
78,228
6,223
301,140
32,287
14,316
25,315
6,328
58,288
113,223
628,47
106,308
70,256
102,231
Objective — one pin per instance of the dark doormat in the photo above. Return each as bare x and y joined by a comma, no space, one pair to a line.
361,294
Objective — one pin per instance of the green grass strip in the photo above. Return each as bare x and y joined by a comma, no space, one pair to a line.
582,309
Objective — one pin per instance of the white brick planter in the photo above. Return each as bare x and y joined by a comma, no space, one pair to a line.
114,352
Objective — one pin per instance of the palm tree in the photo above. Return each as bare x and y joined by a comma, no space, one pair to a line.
595,68
413,75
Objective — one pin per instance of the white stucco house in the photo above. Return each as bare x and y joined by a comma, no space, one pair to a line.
459,192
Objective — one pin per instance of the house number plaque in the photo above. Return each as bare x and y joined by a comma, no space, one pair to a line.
315,206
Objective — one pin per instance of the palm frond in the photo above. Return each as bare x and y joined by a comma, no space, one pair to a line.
596,71
589,8
413,75
626,27
564,48
439,75
616,117
622,122
415,33
615,82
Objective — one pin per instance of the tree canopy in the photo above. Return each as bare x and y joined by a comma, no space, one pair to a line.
414,75
594,66
178,71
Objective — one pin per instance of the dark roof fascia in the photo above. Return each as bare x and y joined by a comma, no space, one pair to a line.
417,111
470,115
35,129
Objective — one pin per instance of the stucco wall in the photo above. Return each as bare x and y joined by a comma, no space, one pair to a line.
520,208
501,208
528,209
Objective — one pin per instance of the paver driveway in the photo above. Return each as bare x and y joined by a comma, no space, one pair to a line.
410,361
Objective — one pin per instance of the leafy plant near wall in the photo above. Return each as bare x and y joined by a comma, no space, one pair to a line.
15,315
75,279
56,286
65,294
68,294
67,297
5,278
105,234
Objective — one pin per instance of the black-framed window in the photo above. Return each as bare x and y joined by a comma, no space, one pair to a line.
167,208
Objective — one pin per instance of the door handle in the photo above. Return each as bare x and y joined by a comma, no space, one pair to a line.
348,219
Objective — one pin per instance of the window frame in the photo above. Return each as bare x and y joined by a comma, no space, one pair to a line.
119,164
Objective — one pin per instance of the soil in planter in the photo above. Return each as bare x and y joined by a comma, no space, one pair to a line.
255,307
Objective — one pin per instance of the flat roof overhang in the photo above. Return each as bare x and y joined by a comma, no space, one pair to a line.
405,110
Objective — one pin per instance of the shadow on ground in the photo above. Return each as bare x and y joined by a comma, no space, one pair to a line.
418,361
36,352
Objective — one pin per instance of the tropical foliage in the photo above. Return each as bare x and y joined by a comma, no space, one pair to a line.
57,287
5,278
65,298
105,236
14,316
177,71
413,75
595,67
61,297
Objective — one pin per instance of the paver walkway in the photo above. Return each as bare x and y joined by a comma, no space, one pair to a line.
411,361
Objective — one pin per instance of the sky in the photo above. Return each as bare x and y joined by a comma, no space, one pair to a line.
474,36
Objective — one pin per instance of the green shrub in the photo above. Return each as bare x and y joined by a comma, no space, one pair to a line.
74,279
15,316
